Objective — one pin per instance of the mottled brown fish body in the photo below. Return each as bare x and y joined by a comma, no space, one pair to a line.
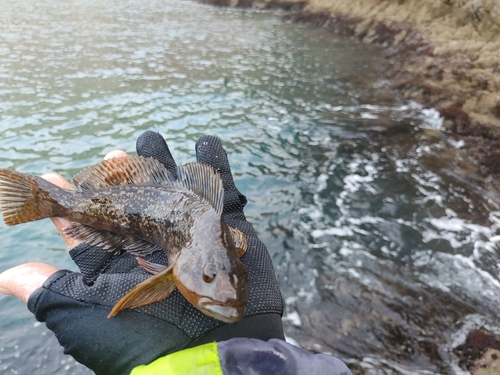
132,204
162,216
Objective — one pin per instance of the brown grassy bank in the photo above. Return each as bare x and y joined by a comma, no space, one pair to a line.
445,54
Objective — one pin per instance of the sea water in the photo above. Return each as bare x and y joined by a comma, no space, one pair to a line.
382,233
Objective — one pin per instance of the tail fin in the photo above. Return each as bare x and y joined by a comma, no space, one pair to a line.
20,200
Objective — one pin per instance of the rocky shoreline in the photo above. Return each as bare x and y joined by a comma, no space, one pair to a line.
445,55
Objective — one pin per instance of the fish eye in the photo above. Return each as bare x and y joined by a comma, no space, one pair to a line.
209,273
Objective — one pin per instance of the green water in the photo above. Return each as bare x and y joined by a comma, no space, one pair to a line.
378,230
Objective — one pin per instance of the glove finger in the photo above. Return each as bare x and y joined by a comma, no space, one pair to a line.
152,144
209,151
91,260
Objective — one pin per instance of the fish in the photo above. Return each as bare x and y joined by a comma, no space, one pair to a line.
134,204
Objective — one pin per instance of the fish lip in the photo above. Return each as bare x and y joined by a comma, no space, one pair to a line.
221,311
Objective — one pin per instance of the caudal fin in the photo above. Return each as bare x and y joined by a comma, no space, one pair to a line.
21,199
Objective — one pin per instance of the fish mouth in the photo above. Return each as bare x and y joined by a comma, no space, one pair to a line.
221,311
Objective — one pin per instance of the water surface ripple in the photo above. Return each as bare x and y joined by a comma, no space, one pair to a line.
379,231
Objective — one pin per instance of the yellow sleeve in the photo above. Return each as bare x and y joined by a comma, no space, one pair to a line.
200,360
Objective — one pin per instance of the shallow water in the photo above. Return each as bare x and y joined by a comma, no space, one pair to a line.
378,229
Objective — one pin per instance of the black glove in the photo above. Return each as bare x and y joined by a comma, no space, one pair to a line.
75,305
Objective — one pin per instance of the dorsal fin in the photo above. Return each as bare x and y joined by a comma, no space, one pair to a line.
204,181
122,171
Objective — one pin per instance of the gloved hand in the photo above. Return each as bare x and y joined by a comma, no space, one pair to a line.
75,305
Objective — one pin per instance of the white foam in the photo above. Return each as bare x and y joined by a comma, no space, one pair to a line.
457,144
442,270
294,318
372,364
431,119
370,116
402,165
339,232
322,179
458,232
292,341
364,220
455,224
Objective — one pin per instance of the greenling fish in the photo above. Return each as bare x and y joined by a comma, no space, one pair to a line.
133,204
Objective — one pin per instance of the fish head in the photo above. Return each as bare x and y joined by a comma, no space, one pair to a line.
214,281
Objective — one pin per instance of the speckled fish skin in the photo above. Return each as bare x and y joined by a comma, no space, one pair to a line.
160,215
140,213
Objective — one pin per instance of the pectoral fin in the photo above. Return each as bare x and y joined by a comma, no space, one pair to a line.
240,241
154,289
109,241
150,267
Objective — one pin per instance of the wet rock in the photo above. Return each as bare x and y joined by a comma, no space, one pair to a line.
496,110
480,353
288,6
455,119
